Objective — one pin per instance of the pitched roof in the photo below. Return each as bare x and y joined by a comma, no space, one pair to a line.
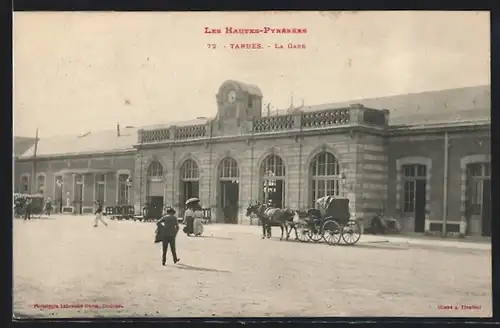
462,104
196,121
22,144
91,142
467,103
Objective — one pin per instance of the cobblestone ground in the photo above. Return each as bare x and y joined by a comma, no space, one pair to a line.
232,272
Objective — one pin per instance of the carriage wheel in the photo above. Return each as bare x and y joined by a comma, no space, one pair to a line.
303,233
315,234
332,232
351,232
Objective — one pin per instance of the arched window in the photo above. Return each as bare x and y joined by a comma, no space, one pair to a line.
273,166
325,176
155,170
228,168
190,171
273,181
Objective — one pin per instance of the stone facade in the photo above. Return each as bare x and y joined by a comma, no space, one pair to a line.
371,155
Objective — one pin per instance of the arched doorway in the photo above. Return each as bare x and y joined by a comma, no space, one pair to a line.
155,189
228,194
189,181
272,172
325,177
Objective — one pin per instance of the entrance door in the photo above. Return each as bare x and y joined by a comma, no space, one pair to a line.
190,189
229,201
155,206
78,198
278,195
486,208
420,205
274,190
100,193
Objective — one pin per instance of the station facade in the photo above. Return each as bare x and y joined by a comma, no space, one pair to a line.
408,156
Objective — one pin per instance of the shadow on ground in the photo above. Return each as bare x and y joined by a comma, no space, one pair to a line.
193,268
215,237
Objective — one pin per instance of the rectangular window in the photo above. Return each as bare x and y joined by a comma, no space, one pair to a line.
250,102
409,197
409,171
123,192
421,171
476,174
40,184
475,170
475,195
25,184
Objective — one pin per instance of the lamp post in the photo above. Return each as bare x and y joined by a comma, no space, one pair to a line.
129,186
60,185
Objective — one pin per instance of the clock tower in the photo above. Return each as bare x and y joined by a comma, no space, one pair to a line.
237,103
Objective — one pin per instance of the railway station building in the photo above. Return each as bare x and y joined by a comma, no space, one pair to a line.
422,158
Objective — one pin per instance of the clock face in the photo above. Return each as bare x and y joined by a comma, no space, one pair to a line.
231,96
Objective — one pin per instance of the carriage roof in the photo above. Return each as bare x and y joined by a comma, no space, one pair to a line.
336,207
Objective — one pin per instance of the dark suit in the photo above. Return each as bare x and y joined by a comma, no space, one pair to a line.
28,207
169,230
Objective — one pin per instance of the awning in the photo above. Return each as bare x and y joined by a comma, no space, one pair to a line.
84,171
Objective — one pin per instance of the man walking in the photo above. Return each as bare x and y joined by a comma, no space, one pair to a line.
98,214
169,227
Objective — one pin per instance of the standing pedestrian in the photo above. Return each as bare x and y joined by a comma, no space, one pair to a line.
98,214
189,220
168,227
197,220
27,209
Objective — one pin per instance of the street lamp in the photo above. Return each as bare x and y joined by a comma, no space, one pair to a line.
129,186
60,185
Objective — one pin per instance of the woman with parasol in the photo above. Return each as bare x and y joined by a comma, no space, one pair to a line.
189,215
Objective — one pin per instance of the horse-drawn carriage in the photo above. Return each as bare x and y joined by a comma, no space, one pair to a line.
332,223
37,205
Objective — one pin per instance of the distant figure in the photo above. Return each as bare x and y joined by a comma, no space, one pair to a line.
169,227
27,209
98,214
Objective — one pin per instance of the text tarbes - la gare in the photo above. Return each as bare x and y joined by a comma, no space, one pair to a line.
264,30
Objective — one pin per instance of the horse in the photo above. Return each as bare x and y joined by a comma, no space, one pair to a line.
272,217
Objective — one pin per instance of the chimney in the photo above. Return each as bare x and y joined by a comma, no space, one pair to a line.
118,129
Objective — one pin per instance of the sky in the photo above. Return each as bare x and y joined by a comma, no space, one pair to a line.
85,71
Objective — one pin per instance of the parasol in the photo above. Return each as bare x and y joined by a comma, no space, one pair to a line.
192,200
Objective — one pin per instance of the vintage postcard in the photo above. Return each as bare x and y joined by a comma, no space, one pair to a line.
251,164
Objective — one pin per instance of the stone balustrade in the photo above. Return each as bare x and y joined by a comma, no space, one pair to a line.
191,132
355,114
274,123
145,136
325,118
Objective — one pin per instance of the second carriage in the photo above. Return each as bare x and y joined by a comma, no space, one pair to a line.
332,223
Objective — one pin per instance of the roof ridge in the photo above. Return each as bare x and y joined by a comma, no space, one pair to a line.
361,99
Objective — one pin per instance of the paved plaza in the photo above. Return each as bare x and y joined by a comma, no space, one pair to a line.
63,267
